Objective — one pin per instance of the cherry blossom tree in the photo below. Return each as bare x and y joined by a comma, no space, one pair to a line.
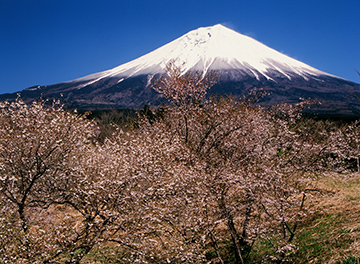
251,162
36,143
345,142
174,188
65,195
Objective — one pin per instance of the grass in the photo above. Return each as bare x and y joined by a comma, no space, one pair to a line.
331,234
350,260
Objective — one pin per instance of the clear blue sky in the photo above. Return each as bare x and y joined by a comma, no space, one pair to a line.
50,41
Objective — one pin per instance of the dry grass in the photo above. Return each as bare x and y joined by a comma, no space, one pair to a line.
331,233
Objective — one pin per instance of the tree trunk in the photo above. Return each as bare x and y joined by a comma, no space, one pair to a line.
235,239
246,246
22,217
231,226
216,247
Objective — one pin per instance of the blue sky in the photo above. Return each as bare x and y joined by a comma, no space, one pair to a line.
49,41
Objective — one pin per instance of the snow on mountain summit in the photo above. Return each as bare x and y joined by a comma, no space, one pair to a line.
216,48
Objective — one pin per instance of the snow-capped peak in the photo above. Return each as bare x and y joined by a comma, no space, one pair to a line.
216,48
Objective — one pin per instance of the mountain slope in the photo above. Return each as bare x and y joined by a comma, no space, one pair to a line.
217,48
241,62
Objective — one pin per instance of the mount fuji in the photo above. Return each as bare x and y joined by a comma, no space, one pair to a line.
241,62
